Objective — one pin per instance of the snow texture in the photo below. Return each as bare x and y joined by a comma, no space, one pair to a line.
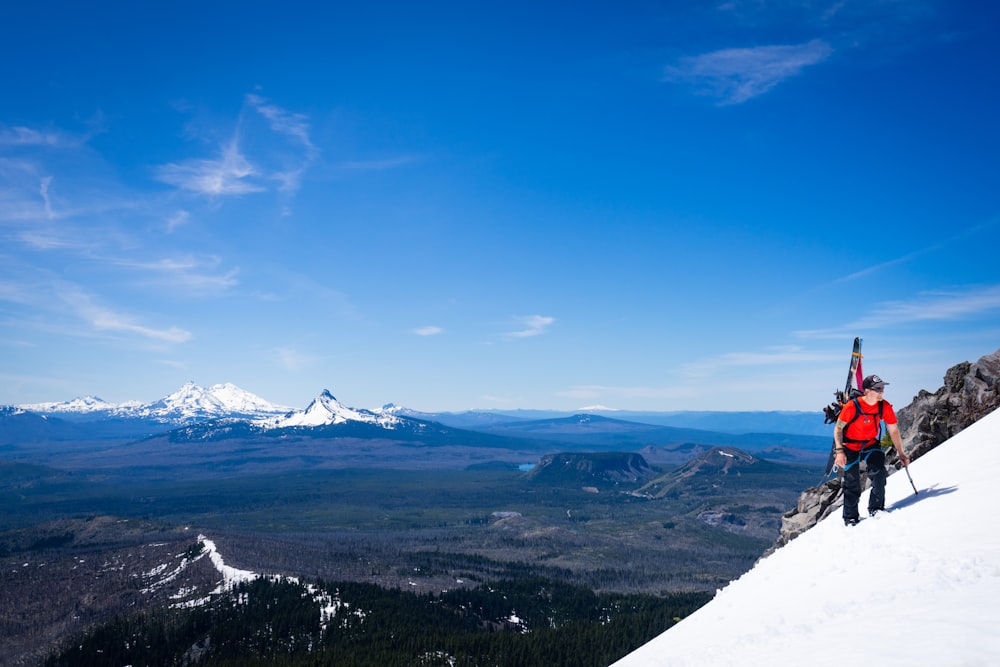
189,403
917,585
230,575
326,409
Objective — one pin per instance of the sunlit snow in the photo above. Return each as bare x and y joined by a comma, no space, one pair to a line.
189,402
326,409
917,585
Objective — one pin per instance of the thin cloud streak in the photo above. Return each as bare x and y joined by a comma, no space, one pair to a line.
975,229
772,357
534,325
937,306
26,136
105,319
293,125
428,331
737,75
188,272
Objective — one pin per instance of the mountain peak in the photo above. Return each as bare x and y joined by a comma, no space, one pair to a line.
85,404
325,410
193,402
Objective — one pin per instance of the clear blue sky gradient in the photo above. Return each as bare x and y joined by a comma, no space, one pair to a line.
639,205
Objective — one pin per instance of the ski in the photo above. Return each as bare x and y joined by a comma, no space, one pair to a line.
854,375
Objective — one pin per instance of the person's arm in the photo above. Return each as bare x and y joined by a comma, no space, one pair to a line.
897,442
840,459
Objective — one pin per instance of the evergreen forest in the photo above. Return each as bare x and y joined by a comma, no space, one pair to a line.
521,623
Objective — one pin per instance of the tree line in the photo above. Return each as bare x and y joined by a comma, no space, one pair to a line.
521,622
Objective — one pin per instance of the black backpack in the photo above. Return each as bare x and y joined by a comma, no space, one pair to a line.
832,411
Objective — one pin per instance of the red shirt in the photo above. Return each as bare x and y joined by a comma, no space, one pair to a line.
865,428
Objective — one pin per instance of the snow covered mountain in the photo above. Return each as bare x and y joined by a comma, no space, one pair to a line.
84,405
194,403
326,410
916,585
191,403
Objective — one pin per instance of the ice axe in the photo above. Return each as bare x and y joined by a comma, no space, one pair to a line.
907,469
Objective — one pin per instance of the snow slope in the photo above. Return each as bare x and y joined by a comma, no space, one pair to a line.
918,585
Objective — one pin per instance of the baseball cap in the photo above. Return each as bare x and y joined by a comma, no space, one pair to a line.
873,382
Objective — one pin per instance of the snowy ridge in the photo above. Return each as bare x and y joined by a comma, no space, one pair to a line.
330,606
230,575
917,585
192,402
327,410
188,404
84,405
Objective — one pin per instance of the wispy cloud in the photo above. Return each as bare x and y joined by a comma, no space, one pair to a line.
57,305
964,234
102,318
933,306
178,219
294,125
27,136
292,359
770,357
737,75
197,275
427,331
290,166
279,153
229,174
531,325
43,190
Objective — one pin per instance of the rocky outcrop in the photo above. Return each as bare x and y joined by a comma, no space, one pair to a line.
970,391
592,468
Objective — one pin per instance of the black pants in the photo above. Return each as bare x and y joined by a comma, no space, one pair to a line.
874,459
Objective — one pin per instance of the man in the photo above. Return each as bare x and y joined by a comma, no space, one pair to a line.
856,438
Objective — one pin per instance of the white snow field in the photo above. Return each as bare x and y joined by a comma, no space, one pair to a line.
917,585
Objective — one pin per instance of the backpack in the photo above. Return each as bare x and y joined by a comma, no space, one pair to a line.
858,413
832,411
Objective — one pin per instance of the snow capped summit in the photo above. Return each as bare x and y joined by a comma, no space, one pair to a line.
326,409
188,404
86,404
192,402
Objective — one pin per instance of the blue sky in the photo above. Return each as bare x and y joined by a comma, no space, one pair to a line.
640,205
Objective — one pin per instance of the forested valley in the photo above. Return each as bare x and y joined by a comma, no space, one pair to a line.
438,564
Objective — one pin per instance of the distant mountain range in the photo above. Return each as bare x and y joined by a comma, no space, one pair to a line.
328,433
193,403
190,403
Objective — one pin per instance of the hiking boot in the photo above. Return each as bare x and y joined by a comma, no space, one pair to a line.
853,521
875,511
